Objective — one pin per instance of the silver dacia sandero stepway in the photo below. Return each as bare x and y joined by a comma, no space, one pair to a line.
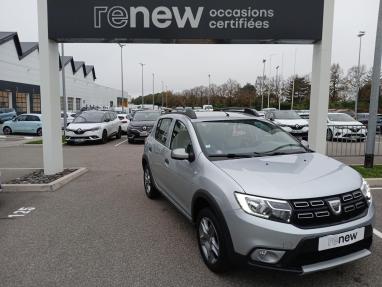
256,194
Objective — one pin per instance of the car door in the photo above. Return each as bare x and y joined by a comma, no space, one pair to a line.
108,123
19,124
32,124
159,153
180,173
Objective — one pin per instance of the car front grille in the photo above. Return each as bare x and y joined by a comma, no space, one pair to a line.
317,212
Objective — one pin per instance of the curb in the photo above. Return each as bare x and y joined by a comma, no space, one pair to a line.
374,182
53,186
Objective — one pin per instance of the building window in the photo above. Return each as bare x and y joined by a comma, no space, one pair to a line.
70,103
36,103
4,99
78,104
21,103
119,102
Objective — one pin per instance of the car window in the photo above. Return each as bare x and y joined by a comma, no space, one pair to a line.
180,137
113,116
32,118
162,130
22,118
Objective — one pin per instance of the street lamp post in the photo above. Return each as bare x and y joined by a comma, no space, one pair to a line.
123,98
262,85
142,65
162,94
209,88
153,90
270,75
277,85
360,35
294,79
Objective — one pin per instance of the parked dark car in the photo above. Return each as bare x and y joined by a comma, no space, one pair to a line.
141,125
7,114
364,118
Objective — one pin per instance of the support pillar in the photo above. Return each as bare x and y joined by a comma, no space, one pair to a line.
50,95
319,98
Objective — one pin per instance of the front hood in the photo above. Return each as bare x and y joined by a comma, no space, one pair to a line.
142,124
83,126
295,176
300,122
355,123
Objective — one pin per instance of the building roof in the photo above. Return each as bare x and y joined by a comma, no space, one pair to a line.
25,48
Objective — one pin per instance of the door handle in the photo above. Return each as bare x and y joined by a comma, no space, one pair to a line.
150,149
167,162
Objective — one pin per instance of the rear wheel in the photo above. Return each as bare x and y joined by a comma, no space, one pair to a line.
39,132
150,189
104,137
213,241
119,134
7,130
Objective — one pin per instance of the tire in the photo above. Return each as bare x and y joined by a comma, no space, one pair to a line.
130,141
329,135
214,241
39,132
119,134
7,131
104,137
150,190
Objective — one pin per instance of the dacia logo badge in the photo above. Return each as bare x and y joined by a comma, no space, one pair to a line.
335,206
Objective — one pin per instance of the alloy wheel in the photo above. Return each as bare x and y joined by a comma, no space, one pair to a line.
147,179
209,241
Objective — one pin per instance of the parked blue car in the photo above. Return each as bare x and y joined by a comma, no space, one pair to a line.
7,114
25,123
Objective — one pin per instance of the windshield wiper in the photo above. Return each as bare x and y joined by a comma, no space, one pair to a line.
277,152
233,155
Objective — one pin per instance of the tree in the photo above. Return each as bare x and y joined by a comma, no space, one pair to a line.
336,82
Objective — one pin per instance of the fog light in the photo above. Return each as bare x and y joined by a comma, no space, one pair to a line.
267,256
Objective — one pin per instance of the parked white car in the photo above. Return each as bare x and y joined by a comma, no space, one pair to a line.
125,120
94,126
290,122
343,127
208,108
69,118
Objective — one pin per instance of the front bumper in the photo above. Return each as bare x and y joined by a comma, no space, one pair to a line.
83,137
301,256
298,133
135,134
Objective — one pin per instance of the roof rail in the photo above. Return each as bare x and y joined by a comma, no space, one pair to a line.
247,111
188,113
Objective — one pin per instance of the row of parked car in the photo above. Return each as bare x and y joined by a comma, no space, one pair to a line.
138,124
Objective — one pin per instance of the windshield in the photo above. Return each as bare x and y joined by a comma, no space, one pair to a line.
233,138
146,116
286,115
340,118
92,117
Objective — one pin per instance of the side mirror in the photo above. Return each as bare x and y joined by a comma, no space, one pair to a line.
305,144
180,154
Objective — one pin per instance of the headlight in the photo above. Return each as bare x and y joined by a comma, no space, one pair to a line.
272,209
94,129
365,188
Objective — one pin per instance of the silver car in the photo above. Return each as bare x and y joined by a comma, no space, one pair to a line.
256,194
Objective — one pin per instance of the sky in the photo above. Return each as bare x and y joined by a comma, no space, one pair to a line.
182,67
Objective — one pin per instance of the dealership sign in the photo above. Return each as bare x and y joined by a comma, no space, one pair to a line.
186,21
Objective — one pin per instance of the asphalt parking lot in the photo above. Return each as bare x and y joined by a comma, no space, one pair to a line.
101,230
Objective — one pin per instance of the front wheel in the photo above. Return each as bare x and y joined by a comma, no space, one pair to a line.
7,130
213,241
329,135
119,134
39,132
104,137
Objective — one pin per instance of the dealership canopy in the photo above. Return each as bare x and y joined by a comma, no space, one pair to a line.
185,21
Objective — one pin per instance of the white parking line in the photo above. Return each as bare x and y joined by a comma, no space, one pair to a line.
118,144
377,233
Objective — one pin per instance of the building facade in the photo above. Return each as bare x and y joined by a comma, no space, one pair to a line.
20,79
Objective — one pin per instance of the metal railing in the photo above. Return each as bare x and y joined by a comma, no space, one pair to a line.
350,141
